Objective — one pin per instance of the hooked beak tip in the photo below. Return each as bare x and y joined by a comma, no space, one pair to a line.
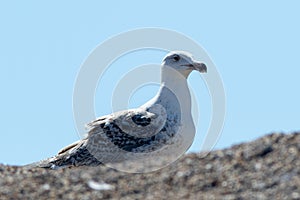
200,67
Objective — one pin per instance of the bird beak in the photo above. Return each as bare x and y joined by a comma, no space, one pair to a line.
198,66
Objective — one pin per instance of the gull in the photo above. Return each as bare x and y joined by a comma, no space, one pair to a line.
162,126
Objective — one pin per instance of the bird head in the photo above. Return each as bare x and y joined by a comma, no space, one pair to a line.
183,62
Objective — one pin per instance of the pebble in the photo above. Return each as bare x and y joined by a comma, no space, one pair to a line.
266,168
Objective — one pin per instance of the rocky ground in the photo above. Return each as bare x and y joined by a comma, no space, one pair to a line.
267,168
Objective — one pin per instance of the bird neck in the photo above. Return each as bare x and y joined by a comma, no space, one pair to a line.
173,93
170,75
174,87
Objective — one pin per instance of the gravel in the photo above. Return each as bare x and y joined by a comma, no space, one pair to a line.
267,168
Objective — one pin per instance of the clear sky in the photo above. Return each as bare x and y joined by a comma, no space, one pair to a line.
255,46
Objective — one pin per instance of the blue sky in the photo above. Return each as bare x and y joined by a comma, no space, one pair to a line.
255,46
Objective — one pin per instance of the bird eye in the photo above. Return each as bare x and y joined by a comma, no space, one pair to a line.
176,58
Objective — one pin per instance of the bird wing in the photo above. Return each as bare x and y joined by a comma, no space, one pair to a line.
67,148
126,130
110,134
140,123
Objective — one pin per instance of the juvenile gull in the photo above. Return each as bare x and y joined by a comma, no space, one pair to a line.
158,127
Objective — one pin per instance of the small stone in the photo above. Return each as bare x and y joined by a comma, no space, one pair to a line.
295,195
45,186
180,174
99,186
293,150
224,184
208,166
257,166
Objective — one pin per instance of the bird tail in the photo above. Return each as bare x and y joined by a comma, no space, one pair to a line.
75,154
42,164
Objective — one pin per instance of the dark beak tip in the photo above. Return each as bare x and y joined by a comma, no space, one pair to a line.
201,67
